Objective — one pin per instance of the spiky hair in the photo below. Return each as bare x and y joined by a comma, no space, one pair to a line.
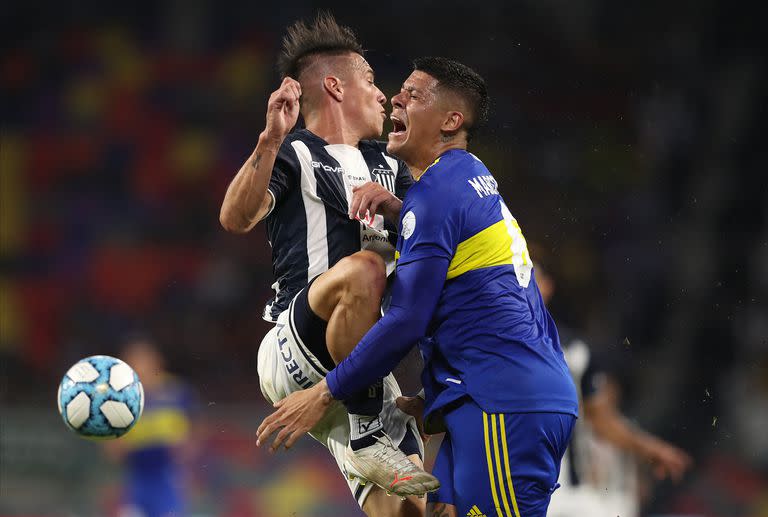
324,36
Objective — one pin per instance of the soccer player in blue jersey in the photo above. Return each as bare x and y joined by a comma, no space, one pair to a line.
495,378
153,452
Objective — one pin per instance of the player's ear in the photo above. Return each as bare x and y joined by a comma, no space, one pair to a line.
453,122
332,86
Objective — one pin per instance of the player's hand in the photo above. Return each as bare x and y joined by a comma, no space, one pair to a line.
296,414
667,460
414,406
282,110
372,198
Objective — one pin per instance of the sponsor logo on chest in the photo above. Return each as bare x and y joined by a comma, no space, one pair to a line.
327,168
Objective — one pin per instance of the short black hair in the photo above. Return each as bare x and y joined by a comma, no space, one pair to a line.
461,80
323,37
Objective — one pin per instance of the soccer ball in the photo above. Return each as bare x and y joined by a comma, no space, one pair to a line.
100,397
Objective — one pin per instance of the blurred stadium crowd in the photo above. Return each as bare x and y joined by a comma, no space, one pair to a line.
625,140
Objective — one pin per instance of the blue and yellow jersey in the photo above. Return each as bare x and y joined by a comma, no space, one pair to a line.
163,426
491,337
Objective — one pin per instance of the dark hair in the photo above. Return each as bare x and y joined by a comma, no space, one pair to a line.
461,80
324,36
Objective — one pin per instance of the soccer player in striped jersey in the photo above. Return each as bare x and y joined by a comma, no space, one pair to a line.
330,266
494,374
598,474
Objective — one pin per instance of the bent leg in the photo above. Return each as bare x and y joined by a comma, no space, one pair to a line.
348,297
506,464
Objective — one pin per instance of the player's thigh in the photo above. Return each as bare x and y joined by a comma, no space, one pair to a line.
534,445
364,269
505,464
285,364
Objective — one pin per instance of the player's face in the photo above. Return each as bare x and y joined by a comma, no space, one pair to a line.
417,117
364,98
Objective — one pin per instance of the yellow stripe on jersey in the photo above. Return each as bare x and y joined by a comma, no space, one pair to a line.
489,247
164,426
506,466
490,465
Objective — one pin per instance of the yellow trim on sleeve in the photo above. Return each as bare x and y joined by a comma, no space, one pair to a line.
489,247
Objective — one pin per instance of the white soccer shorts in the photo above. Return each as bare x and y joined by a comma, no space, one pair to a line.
286,365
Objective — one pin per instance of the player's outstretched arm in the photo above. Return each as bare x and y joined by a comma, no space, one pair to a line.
415,295
246,201
666,459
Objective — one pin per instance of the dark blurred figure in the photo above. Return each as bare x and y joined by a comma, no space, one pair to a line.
596,479
153,453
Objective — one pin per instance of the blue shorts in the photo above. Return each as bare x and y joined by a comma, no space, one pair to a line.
500,464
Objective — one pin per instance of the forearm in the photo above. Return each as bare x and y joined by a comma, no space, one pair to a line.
247,201
377,354
612,427
415,295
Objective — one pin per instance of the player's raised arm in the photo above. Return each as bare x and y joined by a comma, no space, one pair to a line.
247,201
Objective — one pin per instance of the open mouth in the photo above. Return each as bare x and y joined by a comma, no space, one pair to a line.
398,127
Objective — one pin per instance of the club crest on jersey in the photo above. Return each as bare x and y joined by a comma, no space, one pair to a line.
384,177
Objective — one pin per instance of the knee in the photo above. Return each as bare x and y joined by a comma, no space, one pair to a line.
364,273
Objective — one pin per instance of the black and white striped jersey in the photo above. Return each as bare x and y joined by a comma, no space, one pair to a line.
308,228
591,465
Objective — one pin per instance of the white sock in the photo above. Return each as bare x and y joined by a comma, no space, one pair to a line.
361,426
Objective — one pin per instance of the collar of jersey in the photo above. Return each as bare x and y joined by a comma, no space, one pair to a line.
325,142
445,154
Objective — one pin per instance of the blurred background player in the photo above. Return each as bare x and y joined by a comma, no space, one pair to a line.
154,452
330,266
599,475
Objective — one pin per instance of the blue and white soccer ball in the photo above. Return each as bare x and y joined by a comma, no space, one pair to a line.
100,397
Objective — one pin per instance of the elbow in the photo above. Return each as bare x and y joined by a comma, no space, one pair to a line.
232,223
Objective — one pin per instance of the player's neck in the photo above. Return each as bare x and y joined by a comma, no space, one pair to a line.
332,128
433,153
